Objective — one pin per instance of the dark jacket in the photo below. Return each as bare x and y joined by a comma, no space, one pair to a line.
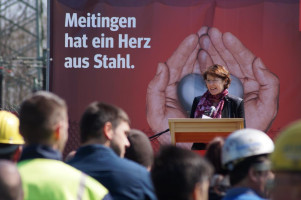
233,107
124,179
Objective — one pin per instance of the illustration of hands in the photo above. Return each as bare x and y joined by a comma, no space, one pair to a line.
260,85
197,52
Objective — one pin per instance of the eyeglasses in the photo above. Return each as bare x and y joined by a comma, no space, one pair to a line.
213,81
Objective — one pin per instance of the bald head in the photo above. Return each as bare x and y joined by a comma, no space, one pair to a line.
10,181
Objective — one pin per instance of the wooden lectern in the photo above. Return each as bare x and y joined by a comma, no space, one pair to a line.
199,130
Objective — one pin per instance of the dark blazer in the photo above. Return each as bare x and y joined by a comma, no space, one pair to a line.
233,107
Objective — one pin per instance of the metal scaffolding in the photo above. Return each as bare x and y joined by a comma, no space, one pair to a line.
22,59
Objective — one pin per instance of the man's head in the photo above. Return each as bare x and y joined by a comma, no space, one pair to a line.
105,124
245,155
10,139
44,120
286,163
140,149
180,174
10,181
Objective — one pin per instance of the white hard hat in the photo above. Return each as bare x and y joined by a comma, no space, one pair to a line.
245,143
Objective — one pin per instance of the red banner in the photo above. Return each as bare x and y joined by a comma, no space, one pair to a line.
146,57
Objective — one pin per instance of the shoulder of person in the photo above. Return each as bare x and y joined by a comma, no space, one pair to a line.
197,98
135,174
233,98
135,167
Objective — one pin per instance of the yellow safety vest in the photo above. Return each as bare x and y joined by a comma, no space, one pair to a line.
47,179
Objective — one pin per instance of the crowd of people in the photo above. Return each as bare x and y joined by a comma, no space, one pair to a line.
117,162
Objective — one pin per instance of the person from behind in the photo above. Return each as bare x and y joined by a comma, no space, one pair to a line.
44,126
286,164
219,182
10,181
11,142
245,155
104,129
140,149
180,174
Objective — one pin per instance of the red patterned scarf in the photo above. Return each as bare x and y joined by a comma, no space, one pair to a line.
206,101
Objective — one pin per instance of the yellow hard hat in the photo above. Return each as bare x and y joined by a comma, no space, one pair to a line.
9,129
287,153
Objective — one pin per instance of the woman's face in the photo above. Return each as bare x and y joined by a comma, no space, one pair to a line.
214,84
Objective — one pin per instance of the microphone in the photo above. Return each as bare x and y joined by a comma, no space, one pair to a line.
212,110
207,114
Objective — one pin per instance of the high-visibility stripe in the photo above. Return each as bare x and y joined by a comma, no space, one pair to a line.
82,185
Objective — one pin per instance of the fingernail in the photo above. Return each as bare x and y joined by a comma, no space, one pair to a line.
205,43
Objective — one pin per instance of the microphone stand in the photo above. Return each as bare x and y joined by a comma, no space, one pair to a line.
158,134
